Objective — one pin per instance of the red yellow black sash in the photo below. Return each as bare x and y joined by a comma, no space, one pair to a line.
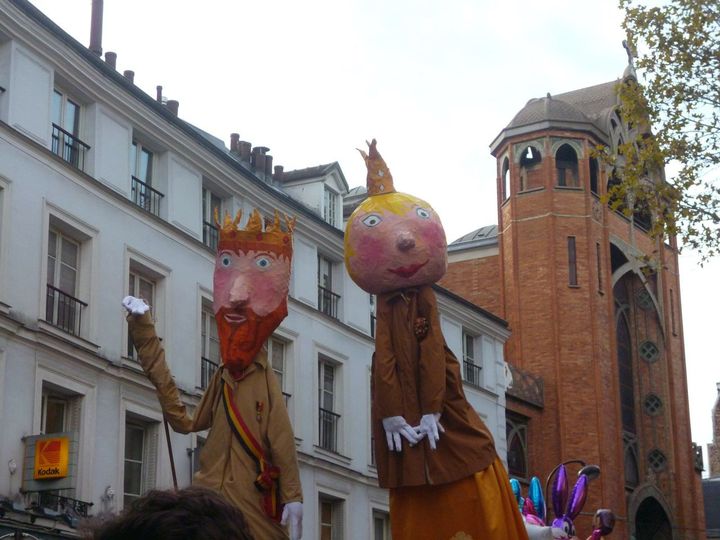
267,480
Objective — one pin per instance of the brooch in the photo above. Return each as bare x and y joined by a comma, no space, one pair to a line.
420,328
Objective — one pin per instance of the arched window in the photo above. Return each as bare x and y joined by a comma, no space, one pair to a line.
506,179
530,173
632,472
616,194
625,371
566,166
594,175
516,429
641,214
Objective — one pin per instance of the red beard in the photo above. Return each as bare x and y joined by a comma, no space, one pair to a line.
243,336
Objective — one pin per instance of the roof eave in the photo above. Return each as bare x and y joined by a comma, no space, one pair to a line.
545,125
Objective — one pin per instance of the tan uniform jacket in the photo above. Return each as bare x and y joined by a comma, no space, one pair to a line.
415,375
224,465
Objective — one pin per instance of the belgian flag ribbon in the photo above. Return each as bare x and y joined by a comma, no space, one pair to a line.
267,481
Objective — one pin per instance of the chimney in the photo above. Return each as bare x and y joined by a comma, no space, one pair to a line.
244,147
268,166
111,59
158,93
234,143
258,158
279,170
96,22
129,75
172,106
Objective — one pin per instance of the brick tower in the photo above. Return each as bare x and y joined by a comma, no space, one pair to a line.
593,304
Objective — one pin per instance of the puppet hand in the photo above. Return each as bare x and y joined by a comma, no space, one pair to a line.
292,517
537,532
136,306
430,426
394,427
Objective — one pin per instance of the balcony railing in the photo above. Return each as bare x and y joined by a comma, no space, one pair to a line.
210,235
286,397
328,302
328,429
63,310
69,147
59,503
145,196
471,372
526,386
207,370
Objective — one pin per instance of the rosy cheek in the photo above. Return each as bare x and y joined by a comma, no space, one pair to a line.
369,247
433,234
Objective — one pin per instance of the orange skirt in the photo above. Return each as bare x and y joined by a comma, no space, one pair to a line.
479,507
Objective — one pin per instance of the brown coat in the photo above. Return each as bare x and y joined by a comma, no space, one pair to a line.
224,465
414,375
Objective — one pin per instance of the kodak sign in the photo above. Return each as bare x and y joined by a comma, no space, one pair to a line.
51,458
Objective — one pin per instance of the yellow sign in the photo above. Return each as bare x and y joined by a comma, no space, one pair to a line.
51,458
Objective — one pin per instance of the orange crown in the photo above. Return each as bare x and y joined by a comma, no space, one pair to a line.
252,237
379,179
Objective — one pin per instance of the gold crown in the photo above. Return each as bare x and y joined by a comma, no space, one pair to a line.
379,179
252,237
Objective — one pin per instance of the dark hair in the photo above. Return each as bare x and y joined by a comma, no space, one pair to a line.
188,514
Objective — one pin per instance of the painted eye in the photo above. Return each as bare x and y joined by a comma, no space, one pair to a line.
423,213
263,262
372,220
225,260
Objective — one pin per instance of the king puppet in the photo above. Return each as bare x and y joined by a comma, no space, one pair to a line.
432,449
249,456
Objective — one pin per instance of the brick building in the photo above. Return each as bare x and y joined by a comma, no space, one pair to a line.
596,351
714,447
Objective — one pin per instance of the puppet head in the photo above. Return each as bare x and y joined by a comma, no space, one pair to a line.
392,240
252,275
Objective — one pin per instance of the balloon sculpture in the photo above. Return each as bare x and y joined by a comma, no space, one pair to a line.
432,450
534,510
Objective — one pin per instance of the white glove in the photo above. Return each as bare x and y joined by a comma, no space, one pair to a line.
430,426
394,427
536,532
292,517
136,306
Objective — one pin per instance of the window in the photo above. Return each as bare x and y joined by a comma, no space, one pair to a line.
572,262
672,313
381,525
598,257
140,287
625,372
330,206
65,130
211,204
59,410
328,418
373,318
276,355
566,166
631,469
471,363
516,430
142,193
506,179
530,170
594,175
327,300
139,458
330,518
657,461
62,308
210,345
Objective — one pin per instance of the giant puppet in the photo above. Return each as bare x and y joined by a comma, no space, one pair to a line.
249,456
446,480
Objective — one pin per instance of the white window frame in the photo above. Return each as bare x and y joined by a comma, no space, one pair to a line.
330,203
136,151
65,98
151,420
384,515
337,523
475,358
207,324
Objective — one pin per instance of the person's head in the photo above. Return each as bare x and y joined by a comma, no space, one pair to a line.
393,240
188,514
251,280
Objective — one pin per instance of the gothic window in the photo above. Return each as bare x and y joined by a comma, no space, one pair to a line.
572,262
648,351
657,461
652,404
506,179
625,369
516,429
632,471
644,299
566,166
594,176
530,173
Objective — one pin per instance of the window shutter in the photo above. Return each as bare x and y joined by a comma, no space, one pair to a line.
151,456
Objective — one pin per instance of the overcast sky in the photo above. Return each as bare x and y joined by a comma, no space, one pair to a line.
434,82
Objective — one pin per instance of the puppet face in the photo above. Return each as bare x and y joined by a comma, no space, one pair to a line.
250,301
394,241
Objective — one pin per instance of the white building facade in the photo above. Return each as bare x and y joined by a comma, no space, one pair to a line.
104,191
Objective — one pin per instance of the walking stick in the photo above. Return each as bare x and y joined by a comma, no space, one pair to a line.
172,460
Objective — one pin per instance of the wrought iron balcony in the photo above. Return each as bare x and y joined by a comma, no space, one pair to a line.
328,302
526,386
210,235
63,310
328,429
69,147
145,196
286,397
471,372
207,370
